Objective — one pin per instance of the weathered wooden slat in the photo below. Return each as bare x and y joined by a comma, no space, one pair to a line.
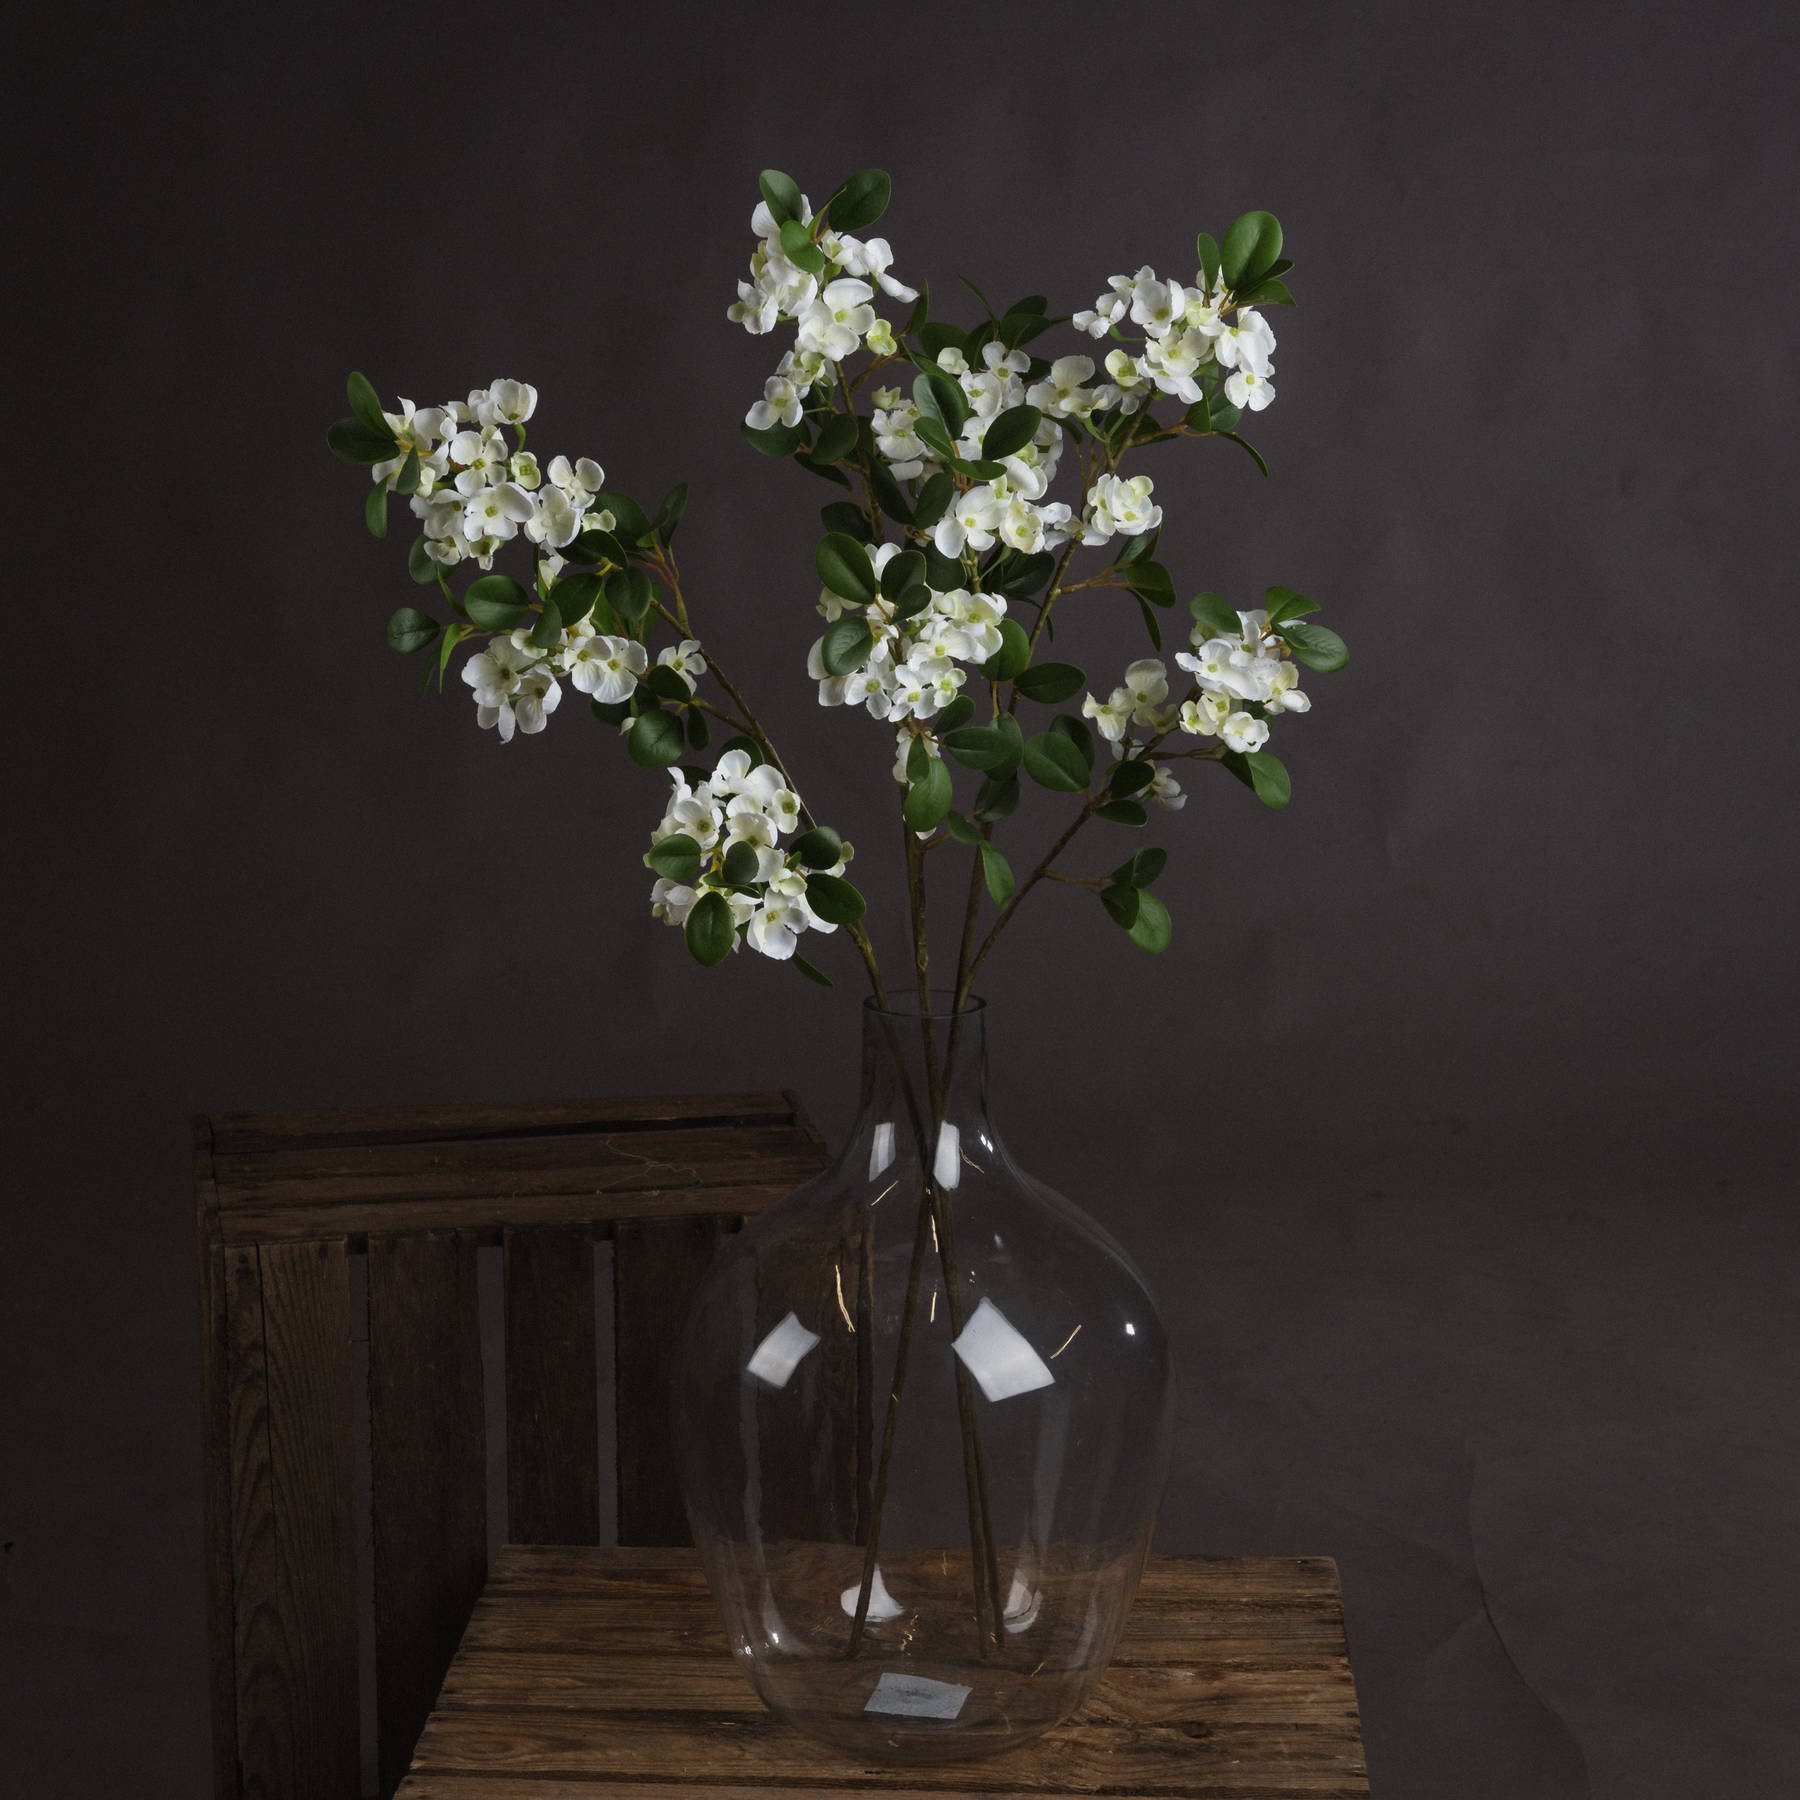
215,1407
659,1158
552,1402
428,1464
487,1216
316,1128
288,1328
657,1265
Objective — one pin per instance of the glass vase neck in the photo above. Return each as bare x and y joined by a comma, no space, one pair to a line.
924,1082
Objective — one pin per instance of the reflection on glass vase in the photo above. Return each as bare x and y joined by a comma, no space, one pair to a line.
922,1425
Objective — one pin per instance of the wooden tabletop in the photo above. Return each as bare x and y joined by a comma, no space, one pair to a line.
592,1672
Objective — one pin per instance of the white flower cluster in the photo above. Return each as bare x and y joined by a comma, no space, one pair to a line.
1185,330
739,804
1011,508
1232,675
913,671
833,311
517,685
476,492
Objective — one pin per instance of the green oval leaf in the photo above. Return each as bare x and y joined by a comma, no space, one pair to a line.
1207,250
655,740
773,440
1141,869
575,596
421,565
676,857
664,683
1012,656
997,873
1283,603
1269,777
1050,682
934,499
782,193
954,716
407,481
631,594
1151,928
1251,245
366,405
1121,903
1122,812
981,747
710,932
834,899
819,848
998,798
740,865
375,511
496,603
1011,431
844,567
1052,761
1316,647
929,799
798,247
1218,618
836,439
668,515
797,961
409,630
903,573
1130,777
846,647
861,200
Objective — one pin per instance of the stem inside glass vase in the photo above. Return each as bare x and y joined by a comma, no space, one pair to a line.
926,1114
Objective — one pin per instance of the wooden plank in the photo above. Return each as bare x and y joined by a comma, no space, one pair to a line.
215,1412
552,1397
485,1217
657,1265
429,1471
1232,1682
659,1158
317,1127
294,1534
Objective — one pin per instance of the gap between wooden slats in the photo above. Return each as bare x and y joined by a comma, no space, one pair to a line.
293,1527
657,1265
428,1467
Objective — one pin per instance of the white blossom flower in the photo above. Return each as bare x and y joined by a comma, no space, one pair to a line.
498,512
483,455
1205,714
671,902
1112,718
1155,305
1247,343
1118,505
513,401
524,470
580,480
685,659
873,259
1244,387
1284,693
1129,378
776,925
1244,733
539,694
1063,393
835,323
555,518
610,669
1165,790
971,522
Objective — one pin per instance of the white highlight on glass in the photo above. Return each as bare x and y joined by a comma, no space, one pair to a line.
1022,1604
779,1354
881,1149
947,1164
998,1356
882,1604
917,1696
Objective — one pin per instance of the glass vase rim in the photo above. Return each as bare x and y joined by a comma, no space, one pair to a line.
908,1007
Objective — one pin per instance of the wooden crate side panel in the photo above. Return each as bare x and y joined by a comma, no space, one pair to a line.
552,1400
657,1265
428,1463
324,1127
294,1546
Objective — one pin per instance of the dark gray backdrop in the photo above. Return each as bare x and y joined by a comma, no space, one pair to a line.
1455,1127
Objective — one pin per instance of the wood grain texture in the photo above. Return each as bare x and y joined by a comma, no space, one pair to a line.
293,1525
552,1397
215,1412
595,1672
428,1453
657,1265
306,1129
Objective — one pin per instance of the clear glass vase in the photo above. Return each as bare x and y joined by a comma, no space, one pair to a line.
922,1414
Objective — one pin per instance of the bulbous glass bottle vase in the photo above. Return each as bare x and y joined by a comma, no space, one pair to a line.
922,1410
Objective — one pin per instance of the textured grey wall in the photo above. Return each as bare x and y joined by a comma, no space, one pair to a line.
1456,1125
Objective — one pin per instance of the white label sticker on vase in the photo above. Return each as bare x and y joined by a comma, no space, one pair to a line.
917,1697
779,1354
998,1356
882,1604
